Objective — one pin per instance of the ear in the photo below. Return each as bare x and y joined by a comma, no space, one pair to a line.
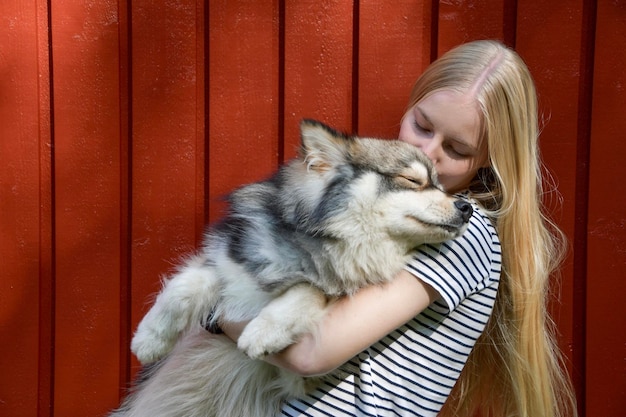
323,147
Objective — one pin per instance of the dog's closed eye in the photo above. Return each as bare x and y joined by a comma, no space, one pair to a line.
412,182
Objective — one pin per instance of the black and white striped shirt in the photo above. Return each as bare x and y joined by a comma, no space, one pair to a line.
412,371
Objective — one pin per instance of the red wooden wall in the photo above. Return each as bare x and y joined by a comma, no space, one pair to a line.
122,123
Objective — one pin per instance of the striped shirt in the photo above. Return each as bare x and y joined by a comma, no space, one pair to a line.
412,371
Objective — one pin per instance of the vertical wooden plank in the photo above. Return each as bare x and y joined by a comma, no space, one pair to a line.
167,152
318,65
201,97
243,95
124,303
606,263
393,49
85,42
461,22
25,210
46,220
551,47
46,225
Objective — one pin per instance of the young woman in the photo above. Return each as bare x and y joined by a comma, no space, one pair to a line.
465,323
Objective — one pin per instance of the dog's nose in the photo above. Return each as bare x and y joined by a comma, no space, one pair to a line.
465,208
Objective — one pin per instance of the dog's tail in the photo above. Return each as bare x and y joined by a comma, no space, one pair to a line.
207,376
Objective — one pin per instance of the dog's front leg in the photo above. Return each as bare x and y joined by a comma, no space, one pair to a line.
293,313
185,299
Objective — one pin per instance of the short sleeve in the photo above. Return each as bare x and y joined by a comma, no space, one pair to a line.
460,267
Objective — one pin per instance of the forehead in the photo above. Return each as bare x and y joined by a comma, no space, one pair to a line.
455,114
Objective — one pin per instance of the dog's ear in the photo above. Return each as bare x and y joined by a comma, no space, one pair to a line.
322,147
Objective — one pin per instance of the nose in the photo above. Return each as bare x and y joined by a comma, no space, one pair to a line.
431,149
465,208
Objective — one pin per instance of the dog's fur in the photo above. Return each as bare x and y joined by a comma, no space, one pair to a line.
345,214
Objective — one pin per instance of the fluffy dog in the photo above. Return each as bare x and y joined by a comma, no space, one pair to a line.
343,215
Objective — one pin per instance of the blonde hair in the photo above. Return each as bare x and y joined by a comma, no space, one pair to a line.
515,369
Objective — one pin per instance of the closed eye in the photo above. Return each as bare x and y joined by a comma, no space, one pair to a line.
420,129
411,182
456,153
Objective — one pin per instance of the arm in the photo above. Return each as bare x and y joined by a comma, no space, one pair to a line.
352,324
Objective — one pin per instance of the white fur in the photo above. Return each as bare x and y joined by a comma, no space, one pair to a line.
277,325
182,300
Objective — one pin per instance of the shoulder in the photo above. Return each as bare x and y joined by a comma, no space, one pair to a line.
460,267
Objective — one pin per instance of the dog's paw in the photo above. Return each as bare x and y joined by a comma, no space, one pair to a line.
262,337
150,346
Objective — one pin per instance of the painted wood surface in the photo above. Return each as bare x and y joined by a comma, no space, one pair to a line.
123,124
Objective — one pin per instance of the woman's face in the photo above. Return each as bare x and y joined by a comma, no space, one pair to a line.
446,127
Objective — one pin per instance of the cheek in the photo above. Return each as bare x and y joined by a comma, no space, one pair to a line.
407,133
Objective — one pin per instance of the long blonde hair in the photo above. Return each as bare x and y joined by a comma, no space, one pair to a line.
515,369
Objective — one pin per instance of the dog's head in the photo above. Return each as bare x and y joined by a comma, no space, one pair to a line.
370,187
